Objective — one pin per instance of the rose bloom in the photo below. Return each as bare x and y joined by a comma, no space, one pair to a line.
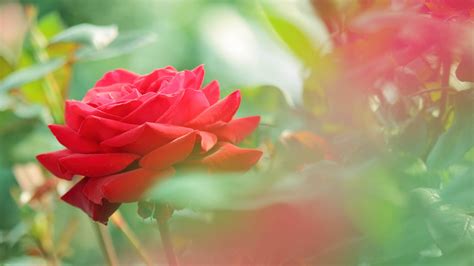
130,131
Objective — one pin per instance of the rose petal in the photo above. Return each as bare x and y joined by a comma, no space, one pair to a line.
169,154
192,103
94,165
149,82
122,108
237,130
199,76
98,128
98,212
152,109
231,158
99,96
131,187
50,161
76,112
175,84
212,92
72,140
124,187
223,110
146,138
116,76
208,140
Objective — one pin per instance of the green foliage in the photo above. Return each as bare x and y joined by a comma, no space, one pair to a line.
30,74
458,139
97,37
124,44
293,36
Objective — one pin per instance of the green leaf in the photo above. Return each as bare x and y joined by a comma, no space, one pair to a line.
460,190
124,44
51,24
266,101
29,74
296,39
452,145
452,229
94,36
207,192
26,260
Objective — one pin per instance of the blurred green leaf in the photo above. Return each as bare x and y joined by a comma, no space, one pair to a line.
50,24
207,192
460,191
38,141
426,196
124,44
8,206
266,101
94,36
452,145
29,74
376,203
297,40
26,260
451,229
252,190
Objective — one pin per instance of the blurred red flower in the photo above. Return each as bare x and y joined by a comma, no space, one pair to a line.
131,130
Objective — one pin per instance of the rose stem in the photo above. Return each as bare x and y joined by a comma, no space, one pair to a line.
106,244
167,244
118,220
446,71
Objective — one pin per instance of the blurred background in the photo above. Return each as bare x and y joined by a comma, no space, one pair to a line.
231,38
365,106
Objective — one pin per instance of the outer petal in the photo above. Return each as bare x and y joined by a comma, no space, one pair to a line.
51,162
169,154
208,140
212,92
146,138
116,76
237,130
124,187
199,76
72,140
77,111
95,165
130,188
99,128
98,212
231,158
223,110
192,103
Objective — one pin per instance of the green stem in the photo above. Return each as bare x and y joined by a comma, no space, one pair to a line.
118,220
444,89
51,87
167,244
105,242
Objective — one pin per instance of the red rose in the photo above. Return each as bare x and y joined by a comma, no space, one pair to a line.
130,130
